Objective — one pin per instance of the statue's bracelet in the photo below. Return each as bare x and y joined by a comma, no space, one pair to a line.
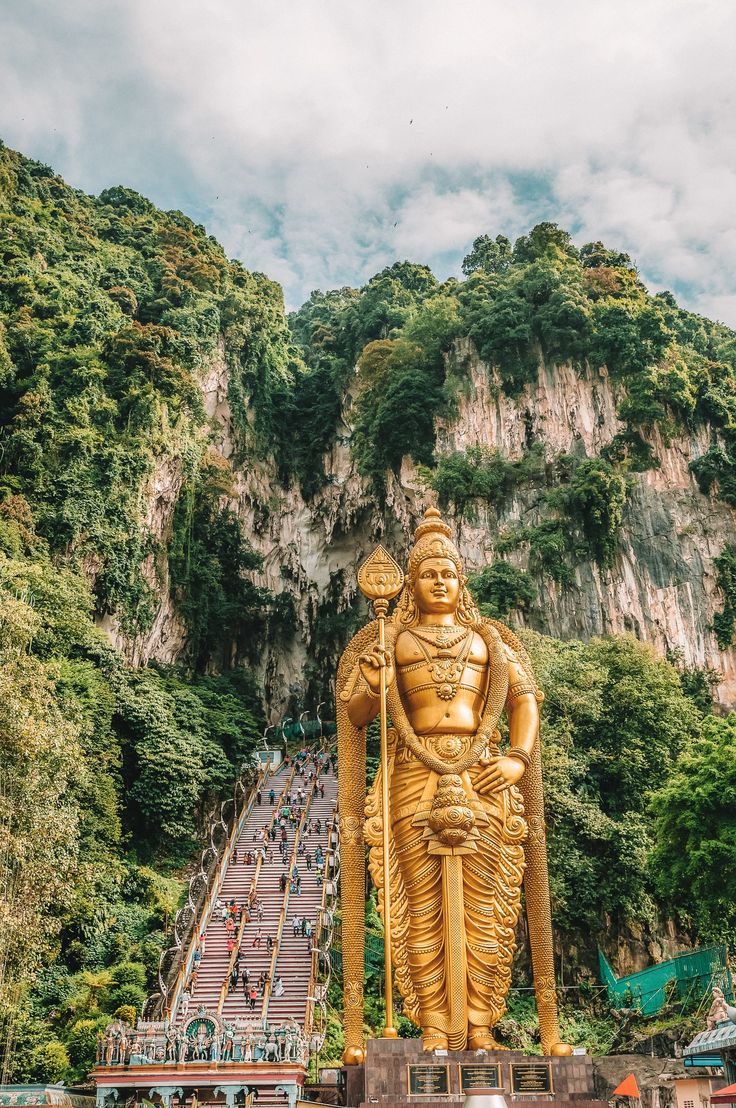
517,752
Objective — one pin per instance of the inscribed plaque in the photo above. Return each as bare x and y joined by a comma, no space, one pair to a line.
531,1077
428,1080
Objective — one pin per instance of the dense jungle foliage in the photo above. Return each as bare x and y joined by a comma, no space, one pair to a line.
542,300
113,318
106,775
108,310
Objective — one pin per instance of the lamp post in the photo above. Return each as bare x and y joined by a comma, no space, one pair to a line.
319,720
301,725
283,728
271,727
316,1046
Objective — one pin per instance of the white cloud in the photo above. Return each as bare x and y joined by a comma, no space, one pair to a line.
302,132
431,223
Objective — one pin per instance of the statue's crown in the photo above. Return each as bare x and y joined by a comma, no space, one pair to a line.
432,540
432,523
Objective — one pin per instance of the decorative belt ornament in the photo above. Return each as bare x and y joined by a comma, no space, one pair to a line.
450,817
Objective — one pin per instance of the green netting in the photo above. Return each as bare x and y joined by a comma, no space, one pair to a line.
373,955
689,975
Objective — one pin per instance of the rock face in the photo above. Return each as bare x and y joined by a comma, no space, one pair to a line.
661,586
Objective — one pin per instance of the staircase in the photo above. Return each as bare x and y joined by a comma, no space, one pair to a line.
258,959
284,1019
293,963
237,883
291,960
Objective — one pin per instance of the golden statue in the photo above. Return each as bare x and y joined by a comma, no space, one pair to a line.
465,820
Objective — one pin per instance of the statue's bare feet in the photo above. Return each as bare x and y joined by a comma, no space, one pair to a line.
432,1039
481,1038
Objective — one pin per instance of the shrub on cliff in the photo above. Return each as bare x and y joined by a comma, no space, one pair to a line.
595,498
501,587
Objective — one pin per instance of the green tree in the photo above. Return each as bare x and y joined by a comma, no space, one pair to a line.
725,620
210,561
475,474
628,335
41,767
544,238
81,1042
491,255
717,467
614,720
50,1063
593,255
92,990
693,861
501,587
498,318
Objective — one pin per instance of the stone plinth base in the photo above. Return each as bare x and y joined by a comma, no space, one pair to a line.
455,1099
386,1077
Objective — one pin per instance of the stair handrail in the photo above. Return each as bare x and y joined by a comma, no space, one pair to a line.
253,888
203,918
285,905
314,971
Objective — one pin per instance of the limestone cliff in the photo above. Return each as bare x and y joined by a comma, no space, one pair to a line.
661,586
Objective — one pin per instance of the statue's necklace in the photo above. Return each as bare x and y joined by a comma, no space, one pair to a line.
445,668
440,636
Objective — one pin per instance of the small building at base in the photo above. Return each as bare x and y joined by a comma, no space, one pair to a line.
695,1091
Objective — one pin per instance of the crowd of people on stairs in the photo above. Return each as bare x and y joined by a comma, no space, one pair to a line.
270,843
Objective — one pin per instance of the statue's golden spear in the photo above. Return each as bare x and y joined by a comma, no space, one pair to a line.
380,579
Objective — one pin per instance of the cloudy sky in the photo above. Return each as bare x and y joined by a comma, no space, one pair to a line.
320,140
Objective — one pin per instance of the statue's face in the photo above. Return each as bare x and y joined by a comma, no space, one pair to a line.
437,586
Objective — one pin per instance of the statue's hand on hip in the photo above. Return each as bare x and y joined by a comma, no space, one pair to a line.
371,664
497,773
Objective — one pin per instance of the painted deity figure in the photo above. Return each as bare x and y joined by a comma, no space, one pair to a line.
457,825
201,1044
171,1045
720,1010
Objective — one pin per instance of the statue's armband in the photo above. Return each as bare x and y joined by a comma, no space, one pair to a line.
521,684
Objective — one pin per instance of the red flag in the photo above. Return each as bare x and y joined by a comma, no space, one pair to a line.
628,1087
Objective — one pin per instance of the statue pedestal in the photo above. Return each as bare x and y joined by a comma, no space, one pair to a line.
398,1073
